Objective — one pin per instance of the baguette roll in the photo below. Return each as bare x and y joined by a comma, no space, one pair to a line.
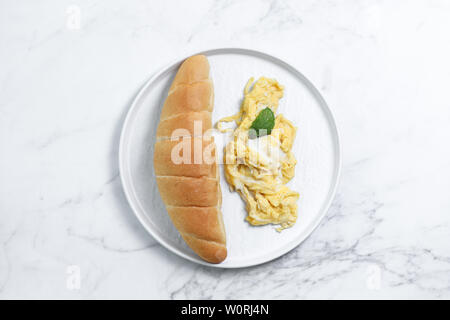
185,161
187,191
192,70
170,127
201,221
171,154
187,98
210,251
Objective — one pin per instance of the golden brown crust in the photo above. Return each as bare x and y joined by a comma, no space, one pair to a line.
203,222
188,157
183,124
186,191
210,251
193,69
187,98
191,191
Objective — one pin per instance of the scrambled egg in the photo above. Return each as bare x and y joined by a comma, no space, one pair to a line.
259,168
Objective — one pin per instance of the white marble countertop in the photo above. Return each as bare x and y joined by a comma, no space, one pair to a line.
69,70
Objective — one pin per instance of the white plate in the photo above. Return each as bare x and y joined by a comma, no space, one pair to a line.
316,149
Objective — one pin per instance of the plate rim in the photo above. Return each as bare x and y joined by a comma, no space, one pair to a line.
251,52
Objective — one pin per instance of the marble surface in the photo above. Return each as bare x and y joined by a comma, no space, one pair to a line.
69,70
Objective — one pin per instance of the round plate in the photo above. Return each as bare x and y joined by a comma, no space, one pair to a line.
316,149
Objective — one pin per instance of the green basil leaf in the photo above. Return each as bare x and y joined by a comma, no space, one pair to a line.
263,124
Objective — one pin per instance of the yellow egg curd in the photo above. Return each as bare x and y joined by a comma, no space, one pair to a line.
259,167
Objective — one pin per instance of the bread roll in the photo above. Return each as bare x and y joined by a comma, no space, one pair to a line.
184,161
167,152
184,121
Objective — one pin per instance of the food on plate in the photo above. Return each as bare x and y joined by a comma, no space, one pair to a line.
184,161
258,160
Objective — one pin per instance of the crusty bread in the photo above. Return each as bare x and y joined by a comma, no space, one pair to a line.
210,251
188,97
187,191
201,221
169,158
191,191
182,125
194,69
